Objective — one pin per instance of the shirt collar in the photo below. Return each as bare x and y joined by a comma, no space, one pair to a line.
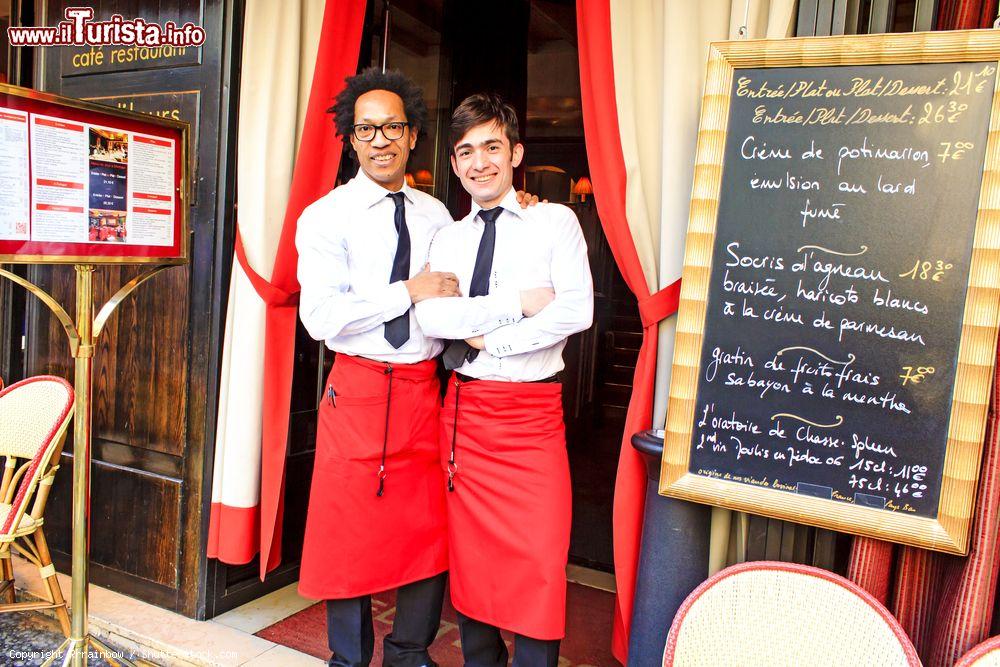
508,203
372,193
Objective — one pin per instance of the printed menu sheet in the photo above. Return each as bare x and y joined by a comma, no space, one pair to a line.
86,183
14,205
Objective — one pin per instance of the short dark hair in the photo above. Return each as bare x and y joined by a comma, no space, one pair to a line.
483,108
371,79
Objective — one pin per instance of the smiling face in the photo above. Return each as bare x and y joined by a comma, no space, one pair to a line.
484,161
383,161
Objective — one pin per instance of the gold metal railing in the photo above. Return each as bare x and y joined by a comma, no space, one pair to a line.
82,335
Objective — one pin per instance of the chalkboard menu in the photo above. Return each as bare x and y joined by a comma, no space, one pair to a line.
839,299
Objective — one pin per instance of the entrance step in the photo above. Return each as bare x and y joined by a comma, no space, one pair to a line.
591,577
589,613
158,636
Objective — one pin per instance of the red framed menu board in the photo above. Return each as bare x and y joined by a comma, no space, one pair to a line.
85,184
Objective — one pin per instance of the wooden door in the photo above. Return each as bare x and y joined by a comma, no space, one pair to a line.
155,368
600,363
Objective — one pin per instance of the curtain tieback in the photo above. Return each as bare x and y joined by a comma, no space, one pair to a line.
660,305
269,293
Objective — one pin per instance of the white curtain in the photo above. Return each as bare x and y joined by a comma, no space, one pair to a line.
674,38
660,53
279,52
637,42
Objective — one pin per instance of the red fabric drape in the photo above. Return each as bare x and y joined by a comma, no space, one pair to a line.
945,603
966,14
315,173
868,566
607,172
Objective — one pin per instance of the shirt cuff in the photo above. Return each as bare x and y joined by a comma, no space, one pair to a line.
395,300
508,306
500,342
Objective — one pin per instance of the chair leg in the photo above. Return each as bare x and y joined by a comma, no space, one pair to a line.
48,573
7,576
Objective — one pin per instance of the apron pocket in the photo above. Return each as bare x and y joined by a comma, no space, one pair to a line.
351,429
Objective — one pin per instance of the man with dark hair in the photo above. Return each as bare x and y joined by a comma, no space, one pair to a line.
502,433
376,518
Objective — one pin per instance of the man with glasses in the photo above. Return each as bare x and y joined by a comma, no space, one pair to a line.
377,518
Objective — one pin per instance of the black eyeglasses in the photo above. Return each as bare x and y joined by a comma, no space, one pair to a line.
391,131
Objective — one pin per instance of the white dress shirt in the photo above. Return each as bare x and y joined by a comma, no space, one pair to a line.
346,242
541,246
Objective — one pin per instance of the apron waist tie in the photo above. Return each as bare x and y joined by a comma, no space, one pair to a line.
557,378
385,437
452,466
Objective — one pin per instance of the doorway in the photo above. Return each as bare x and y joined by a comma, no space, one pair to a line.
525,50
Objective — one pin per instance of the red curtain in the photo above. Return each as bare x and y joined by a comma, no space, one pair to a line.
315,174
607,172
945,603
966,14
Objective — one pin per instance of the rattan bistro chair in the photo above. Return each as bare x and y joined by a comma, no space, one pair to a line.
766,613
34,417
986,654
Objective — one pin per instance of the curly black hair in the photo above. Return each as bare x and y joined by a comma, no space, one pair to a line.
371,79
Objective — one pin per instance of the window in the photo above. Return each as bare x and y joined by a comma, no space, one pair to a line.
555,155
415,49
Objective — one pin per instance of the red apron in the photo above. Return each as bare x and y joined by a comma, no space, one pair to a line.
509,509
358,542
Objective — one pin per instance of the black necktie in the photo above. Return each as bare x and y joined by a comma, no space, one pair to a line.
459,351
397,330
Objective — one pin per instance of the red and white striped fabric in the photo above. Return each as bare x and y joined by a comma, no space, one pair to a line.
281,61
966,14
863,569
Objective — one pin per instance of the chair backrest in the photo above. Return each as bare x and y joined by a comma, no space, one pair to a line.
34,416
768,613
986,654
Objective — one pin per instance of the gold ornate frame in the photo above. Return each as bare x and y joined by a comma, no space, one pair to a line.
977,347
182,129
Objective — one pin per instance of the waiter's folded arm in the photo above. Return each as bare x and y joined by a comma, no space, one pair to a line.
327,306
331,311
457,318
570,312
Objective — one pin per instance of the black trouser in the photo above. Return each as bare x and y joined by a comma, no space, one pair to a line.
418,616
482,646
